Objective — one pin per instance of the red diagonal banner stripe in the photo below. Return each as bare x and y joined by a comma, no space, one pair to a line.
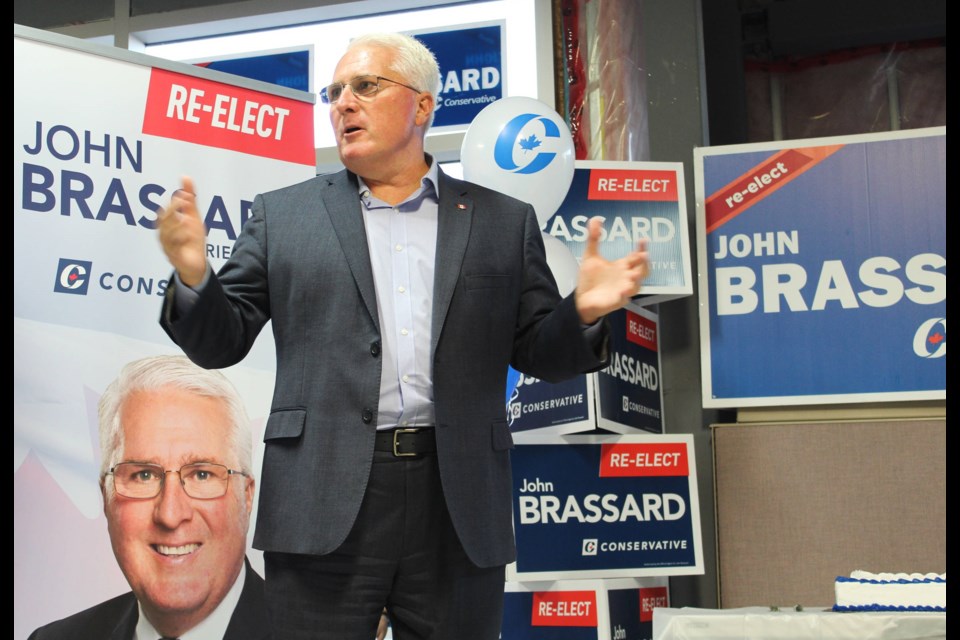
762,180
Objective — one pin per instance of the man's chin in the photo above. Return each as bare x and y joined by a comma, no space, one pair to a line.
177,596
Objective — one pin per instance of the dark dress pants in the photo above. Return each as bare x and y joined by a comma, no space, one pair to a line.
402,554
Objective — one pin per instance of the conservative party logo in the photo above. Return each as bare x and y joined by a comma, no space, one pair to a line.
73,276
930,340
529,143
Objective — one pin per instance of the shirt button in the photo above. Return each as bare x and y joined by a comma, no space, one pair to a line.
402,289
403,332
375,348
399,247
367,416
405,378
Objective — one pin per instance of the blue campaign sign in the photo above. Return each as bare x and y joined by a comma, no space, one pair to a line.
629,394
605,609
564,407
631,608
825,270
471,71
637,201
284,68
605,506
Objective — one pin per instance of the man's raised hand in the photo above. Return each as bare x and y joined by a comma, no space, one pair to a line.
605,285
183,235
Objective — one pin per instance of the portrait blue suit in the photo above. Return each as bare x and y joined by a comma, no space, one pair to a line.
302,263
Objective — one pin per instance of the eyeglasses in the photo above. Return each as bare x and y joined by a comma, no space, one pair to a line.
362,87
200,480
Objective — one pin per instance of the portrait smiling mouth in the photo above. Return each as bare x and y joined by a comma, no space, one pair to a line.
182,550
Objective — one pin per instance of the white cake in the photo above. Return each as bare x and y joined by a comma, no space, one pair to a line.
864,591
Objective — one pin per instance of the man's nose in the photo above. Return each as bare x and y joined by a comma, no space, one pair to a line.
347,100
173,506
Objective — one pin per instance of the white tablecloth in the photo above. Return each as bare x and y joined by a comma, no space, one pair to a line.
814,623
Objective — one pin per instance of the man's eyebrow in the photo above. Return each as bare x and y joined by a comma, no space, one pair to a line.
352,78
192,458
182,460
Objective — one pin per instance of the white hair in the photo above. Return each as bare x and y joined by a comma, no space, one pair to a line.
412,60
157,372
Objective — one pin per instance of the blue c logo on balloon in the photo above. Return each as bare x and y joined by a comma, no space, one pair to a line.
509,137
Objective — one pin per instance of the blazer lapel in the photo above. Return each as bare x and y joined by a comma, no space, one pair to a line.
127,623
249,620
453,233
343,209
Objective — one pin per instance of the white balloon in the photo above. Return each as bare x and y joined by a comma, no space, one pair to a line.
523,148
562,263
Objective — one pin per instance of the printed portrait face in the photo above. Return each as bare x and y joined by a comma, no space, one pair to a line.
180,554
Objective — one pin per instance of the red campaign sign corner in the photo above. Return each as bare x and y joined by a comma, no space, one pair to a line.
641,331
650,598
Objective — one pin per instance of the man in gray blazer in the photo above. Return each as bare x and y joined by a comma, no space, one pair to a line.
398,297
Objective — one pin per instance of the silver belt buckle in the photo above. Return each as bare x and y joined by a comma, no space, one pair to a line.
396,434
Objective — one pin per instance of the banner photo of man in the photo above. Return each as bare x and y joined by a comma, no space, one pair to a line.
100,136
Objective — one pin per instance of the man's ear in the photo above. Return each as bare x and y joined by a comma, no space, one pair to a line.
425,105
103,494
250,490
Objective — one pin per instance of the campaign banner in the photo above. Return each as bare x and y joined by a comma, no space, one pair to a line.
101,139
550,408
823,270
605,506
472,73
629,393
637,201
616,609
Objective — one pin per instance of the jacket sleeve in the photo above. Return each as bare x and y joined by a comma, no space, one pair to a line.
221,326
550,342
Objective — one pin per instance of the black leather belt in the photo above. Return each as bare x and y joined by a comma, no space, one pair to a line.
406,442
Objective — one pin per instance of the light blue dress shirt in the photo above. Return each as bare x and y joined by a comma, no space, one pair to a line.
402,241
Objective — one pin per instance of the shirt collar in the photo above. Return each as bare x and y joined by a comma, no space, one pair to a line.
429,185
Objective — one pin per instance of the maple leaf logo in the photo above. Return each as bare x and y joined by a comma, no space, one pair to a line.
530,143
936,338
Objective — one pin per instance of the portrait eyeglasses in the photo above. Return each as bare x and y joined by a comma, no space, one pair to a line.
362,87
200,480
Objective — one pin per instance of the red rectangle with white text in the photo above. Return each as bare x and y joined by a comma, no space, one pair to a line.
638,460
219,115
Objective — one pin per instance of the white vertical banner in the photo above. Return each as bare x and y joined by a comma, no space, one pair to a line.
102,138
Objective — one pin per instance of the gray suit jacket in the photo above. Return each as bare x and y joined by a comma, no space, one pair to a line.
116,619
302,262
